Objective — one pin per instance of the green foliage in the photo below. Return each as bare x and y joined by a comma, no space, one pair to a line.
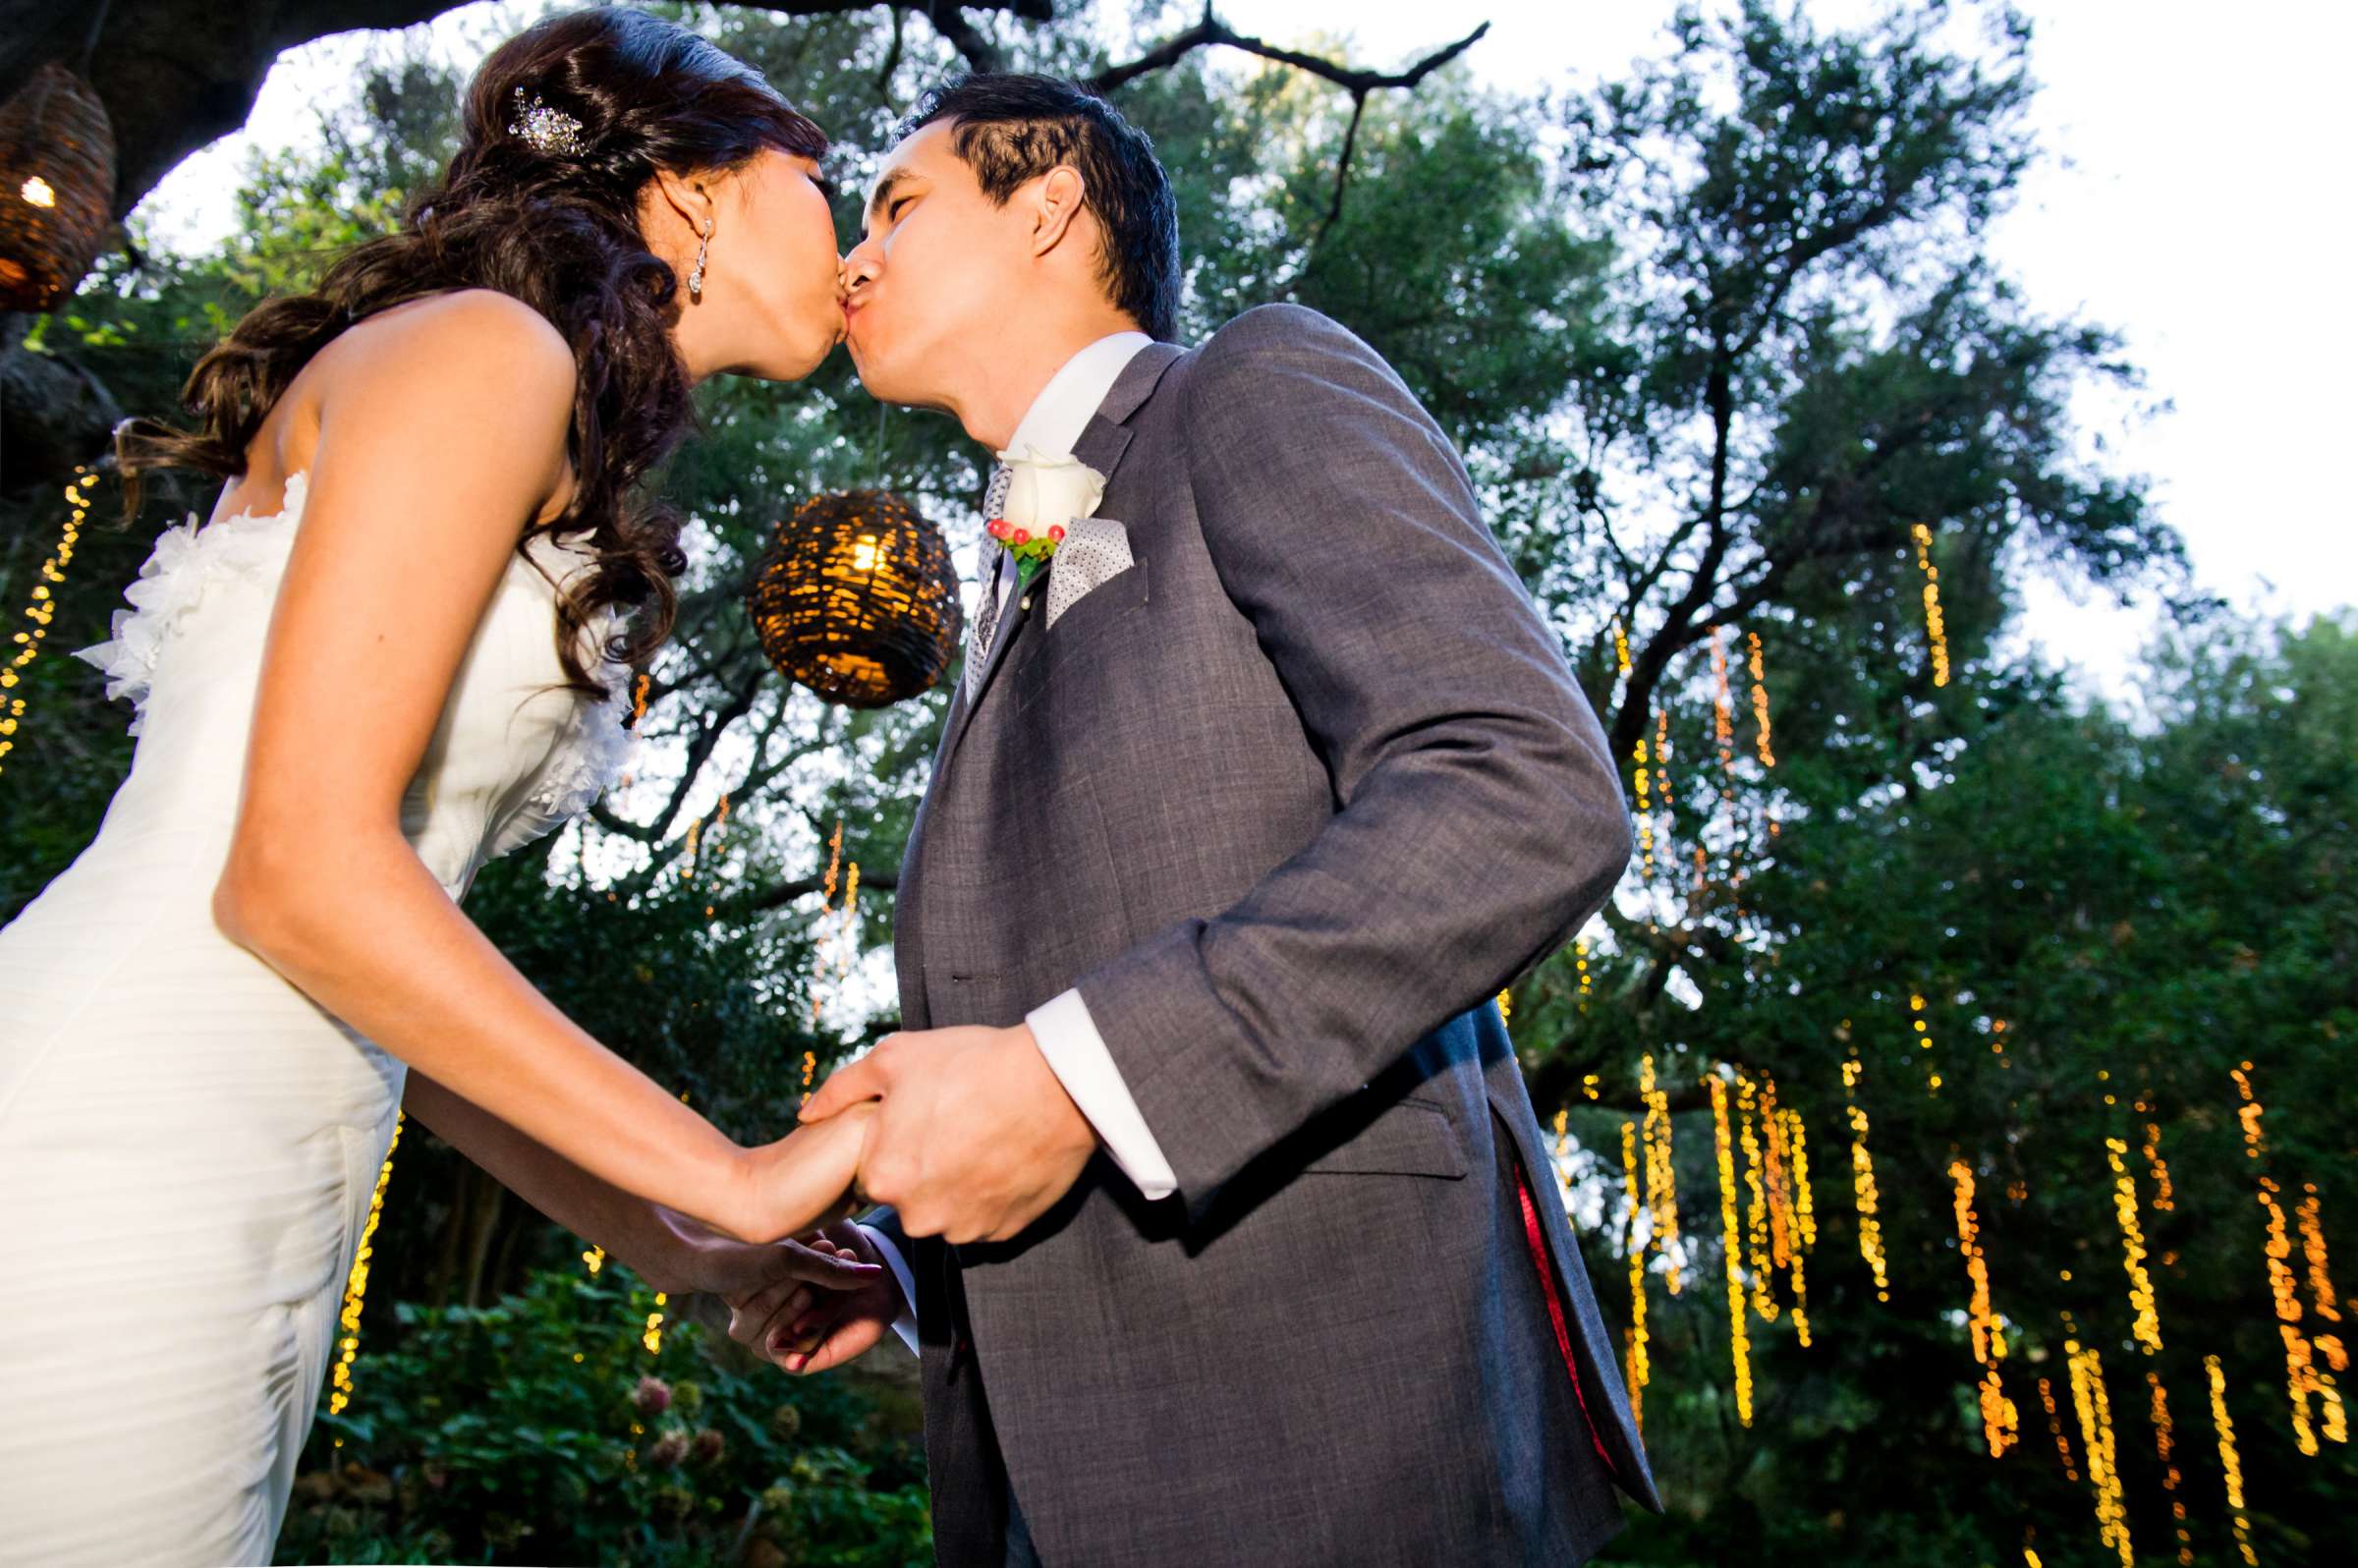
2131,913
540,1428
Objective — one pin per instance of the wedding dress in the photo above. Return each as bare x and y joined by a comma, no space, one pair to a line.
188,1142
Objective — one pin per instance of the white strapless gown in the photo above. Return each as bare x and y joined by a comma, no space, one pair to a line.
189,1144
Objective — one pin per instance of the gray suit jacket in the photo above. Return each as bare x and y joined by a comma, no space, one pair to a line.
1290,799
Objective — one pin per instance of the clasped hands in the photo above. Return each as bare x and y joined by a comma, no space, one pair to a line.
972,1139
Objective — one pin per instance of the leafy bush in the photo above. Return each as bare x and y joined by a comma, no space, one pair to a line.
543,1430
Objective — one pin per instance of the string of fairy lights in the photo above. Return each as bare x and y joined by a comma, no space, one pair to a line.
1768,1223
356,1286
1766,1205
42,609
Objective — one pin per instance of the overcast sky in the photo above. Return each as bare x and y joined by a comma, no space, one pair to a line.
2187,201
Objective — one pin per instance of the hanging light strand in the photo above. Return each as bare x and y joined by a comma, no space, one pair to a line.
1732,1249
847,942
2001,1426
2310,1388
1662,780
1645,807
2304,1380
1760,700
2096,1438
2157,1167
1804,1221
1924,1039
1724,720
1933,628
1805,1209
1772,1154
1662,1195
2320,1282
827,907
2166,1450
2230,1463
41,611
1634,1206
2054,1423
1756,1191
1862,1176
2146,1327
356,1284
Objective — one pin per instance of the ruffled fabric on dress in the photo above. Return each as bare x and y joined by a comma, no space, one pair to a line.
193,558
188,557
595,752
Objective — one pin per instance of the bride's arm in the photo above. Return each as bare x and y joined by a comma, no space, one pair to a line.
441,434
658,1246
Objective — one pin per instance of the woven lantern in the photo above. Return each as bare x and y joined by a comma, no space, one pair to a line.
57,181
857,600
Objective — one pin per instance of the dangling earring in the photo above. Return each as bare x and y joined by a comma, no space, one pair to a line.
695,279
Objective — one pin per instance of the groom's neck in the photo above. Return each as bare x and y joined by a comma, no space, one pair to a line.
1026,357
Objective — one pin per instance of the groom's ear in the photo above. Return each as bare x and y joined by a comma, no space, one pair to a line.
1056,199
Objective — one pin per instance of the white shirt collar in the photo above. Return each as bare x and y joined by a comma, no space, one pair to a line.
1062,411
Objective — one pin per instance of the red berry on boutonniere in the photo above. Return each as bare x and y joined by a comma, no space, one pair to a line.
997,527
1022,537
1057,533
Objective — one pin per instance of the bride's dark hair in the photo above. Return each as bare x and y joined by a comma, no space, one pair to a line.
559,230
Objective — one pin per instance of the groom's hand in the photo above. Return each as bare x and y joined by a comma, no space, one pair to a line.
976,1136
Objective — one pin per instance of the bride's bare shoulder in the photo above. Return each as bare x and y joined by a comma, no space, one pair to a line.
488,372
456,336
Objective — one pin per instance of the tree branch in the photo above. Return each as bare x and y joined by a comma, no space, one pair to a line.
1212,31
780,894
1342,168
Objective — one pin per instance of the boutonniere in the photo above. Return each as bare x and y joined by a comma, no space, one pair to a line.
1044,496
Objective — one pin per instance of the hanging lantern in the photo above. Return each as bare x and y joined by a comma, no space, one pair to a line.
857,600
57,183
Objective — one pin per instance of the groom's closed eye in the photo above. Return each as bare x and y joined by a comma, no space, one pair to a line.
891,195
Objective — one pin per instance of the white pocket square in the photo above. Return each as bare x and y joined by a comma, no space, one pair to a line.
1094,551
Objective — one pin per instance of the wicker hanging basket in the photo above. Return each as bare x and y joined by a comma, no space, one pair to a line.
57,183
857,600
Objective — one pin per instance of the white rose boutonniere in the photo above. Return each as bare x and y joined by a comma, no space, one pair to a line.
1044,496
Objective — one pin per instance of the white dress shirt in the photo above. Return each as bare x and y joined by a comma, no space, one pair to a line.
1068,1037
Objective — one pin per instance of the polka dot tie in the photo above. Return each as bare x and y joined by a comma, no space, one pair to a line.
987,616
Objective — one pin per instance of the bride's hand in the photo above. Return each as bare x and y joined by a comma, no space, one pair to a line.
691,1255
805,1180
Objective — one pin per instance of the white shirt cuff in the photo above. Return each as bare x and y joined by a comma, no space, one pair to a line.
1068,1037
904,1326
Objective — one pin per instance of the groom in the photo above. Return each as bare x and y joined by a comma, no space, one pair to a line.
1226,1231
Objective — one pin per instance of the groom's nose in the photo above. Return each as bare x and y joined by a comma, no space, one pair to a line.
857,270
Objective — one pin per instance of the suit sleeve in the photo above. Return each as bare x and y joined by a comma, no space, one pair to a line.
1481,819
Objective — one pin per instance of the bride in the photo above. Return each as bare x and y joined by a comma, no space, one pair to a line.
396,652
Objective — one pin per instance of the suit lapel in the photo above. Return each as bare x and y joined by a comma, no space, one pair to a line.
1100,446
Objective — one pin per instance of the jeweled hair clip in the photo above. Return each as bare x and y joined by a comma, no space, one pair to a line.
548,131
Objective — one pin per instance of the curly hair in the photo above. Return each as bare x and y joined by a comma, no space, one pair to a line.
559,230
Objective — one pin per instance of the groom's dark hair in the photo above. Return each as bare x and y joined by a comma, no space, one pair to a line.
1010,128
